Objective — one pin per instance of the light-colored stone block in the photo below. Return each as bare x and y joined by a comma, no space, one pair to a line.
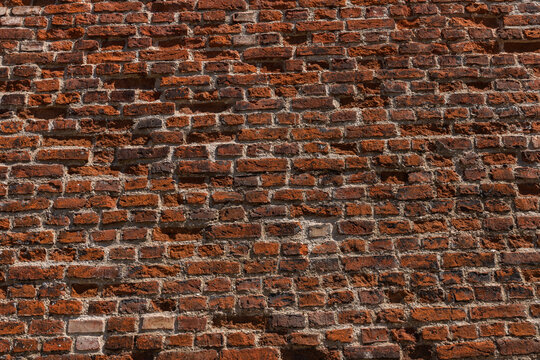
245,17
316,231
87,343
26,10
158,323
86,326
244,40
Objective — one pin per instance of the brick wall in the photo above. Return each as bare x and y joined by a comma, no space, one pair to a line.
269,179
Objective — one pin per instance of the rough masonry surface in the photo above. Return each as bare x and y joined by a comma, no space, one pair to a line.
269,179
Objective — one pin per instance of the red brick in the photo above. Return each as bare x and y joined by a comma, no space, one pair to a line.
12,328
379,351
518,346
466,350
497,311
46,327
261,165
222,4
437,314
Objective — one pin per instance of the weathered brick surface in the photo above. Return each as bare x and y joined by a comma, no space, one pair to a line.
269,179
